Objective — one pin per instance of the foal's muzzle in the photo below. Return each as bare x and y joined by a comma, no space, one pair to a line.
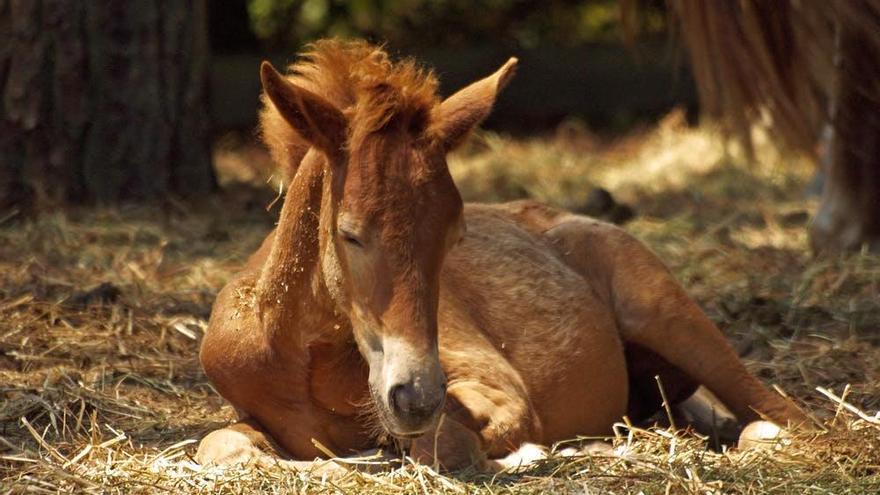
415,407
413,392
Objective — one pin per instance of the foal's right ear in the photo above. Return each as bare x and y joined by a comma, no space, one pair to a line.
311,116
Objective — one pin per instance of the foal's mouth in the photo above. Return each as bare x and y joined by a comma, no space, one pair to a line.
391,424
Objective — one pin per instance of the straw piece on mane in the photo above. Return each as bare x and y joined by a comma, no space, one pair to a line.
361,80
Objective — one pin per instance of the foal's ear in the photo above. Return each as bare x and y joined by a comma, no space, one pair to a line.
461,112
311,116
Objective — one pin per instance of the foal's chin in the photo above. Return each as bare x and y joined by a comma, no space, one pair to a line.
402,433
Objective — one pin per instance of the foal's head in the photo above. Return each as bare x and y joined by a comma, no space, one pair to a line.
394,214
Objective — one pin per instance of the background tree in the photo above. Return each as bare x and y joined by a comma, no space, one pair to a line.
102,100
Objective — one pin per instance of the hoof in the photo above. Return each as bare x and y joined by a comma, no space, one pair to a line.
525,456
598,448
761,435
568,452
594,448
227,447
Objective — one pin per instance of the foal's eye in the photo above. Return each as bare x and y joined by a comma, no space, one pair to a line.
350,239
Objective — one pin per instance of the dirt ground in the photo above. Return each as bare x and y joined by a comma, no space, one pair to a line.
102,310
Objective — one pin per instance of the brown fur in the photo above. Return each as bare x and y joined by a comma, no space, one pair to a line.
379,285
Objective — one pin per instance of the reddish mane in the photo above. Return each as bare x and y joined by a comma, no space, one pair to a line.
360,80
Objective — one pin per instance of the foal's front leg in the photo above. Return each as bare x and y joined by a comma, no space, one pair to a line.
246,443
488,414
452,445
242,442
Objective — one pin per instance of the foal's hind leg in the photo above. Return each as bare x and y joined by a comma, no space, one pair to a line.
653,311
643,368
690,404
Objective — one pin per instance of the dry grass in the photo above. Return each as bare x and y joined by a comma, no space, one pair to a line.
101,391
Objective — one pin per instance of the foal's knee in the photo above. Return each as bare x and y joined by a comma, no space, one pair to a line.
450,446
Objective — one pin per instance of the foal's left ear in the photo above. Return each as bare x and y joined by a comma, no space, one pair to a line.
461,112
311,116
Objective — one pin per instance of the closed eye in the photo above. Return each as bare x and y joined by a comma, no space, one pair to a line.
350,239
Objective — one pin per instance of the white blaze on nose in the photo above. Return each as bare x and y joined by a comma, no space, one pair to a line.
404,364
413,379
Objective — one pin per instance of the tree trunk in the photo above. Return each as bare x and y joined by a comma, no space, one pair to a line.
102,101
849,212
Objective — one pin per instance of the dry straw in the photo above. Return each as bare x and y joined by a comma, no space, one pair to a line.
101,391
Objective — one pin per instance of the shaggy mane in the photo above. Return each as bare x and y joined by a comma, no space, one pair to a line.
360,80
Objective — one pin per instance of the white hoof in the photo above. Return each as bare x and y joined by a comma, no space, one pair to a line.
227,447
526,455
761,435
598,448
568,452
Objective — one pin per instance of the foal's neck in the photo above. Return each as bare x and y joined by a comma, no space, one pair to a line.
291,300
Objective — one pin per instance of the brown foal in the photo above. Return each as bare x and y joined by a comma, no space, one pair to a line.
381,301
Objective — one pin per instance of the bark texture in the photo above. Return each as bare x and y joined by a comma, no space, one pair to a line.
102,101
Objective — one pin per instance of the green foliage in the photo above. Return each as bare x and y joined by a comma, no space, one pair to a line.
449,23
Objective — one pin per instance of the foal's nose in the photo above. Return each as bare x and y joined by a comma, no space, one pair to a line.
416,403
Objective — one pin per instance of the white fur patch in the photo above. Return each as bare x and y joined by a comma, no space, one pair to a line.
527,454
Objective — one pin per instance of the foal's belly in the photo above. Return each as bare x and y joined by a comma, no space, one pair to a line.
546,320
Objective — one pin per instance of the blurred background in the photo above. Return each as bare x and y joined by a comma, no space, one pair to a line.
109,101
573,60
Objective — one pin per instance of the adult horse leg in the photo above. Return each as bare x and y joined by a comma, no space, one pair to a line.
653,311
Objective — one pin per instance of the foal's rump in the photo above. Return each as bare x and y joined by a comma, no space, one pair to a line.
564,293
542,317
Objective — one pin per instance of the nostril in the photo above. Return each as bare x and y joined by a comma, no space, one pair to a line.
400,399
404,400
